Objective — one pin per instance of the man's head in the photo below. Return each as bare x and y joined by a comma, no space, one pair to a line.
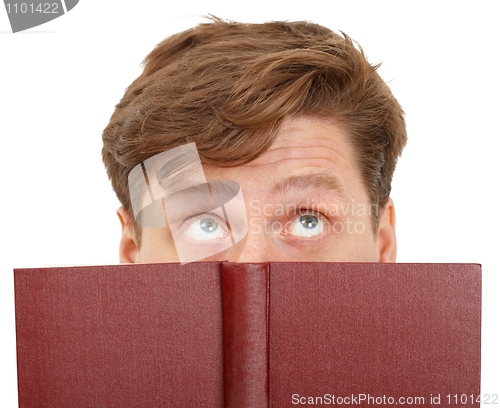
292,112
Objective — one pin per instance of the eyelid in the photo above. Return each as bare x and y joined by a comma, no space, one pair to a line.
304,211
201,216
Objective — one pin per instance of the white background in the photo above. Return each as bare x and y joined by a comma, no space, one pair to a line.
60,82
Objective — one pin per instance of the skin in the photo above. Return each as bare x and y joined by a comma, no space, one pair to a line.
277,217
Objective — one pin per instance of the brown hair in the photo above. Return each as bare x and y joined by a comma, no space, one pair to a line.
229,86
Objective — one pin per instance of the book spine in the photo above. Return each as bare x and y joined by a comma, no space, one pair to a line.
246,336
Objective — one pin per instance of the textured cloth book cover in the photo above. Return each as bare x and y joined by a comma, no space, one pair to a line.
247,335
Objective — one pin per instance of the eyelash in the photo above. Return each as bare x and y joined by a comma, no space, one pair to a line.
303,211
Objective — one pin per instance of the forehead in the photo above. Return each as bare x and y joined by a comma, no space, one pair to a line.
304,146
307,138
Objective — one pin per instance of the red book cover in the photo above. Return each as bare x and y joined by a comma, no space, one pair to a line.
248,335
120,336
399,330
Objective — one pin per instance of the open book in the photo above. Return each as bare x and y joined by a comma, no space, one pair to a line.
220,334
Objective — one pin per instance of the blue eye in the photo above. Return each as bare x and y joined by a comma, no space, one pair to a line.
306,225
204,229
308,221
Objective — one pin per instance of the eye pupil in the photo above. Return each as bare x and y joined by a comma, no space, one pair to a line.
308,221
208,225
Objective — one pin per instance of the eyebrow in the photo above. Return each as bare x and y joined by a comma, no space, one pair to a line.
199,199
314,181
188,202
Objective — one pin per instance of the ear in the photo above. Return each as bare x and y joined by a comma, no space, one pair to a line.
385,240
129,250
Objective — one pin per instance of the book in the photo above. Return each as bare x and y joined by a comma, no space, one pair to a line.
219,334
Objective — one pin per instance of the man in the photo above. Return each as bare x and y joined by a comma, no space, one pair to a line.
294,114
